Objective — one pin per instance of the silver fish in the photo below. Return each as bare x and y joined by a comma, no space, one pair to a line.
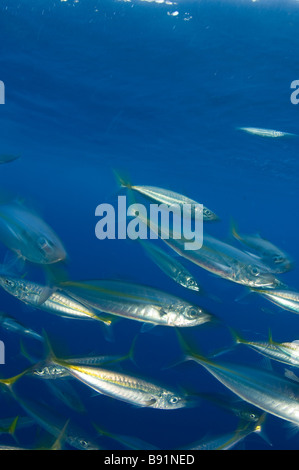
53,301
169,198
124,387
25,233
287,352
137,302
11,324
220,258
265,389
269,254
50,370
229,440
284,298
265,132
171,267
235,267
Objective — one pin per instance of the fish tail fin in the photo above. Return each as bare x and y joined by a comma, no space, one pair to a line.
50,356
122,179
260,430
13,426
191,352
30,356
10,381
58,444
131,353
234,229
102,431
236,336
108,320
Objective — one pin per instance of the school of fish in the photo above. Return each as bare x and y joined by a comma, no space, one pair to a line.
254,392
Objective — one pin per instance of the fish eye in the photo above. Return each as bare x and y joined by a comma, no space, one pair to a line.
9,283
83,443
207,211
277,259
255,271
174,400
192,312
45,244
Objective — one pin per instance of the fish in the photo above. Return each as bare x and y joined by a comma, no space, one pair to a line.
137,302
284,298
11,324
287,352
126,388
263,388
220,258
228,251
48,370
227,267
25,233
277,260
244,411
53,422
265,132
6,158
172,267
47,299
228,440
170,198
47,417
121,386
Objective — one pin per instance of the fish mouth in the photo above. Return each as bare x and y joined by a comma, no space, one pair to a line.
195,288
277,283
268,282
213,218
288,266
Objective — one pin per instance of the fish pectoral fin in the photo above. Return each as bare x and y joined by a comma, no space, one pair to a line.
290,375
147,327
46,293
162,312
151,402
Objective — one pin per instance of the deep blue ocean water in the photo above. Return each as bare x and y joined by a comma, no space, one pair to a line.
156,89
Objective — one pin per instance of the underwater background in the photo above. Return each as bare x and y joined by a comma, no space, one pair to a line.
156,89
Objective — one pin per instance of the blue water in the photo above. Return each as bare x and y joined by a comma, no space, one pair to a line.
156,90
